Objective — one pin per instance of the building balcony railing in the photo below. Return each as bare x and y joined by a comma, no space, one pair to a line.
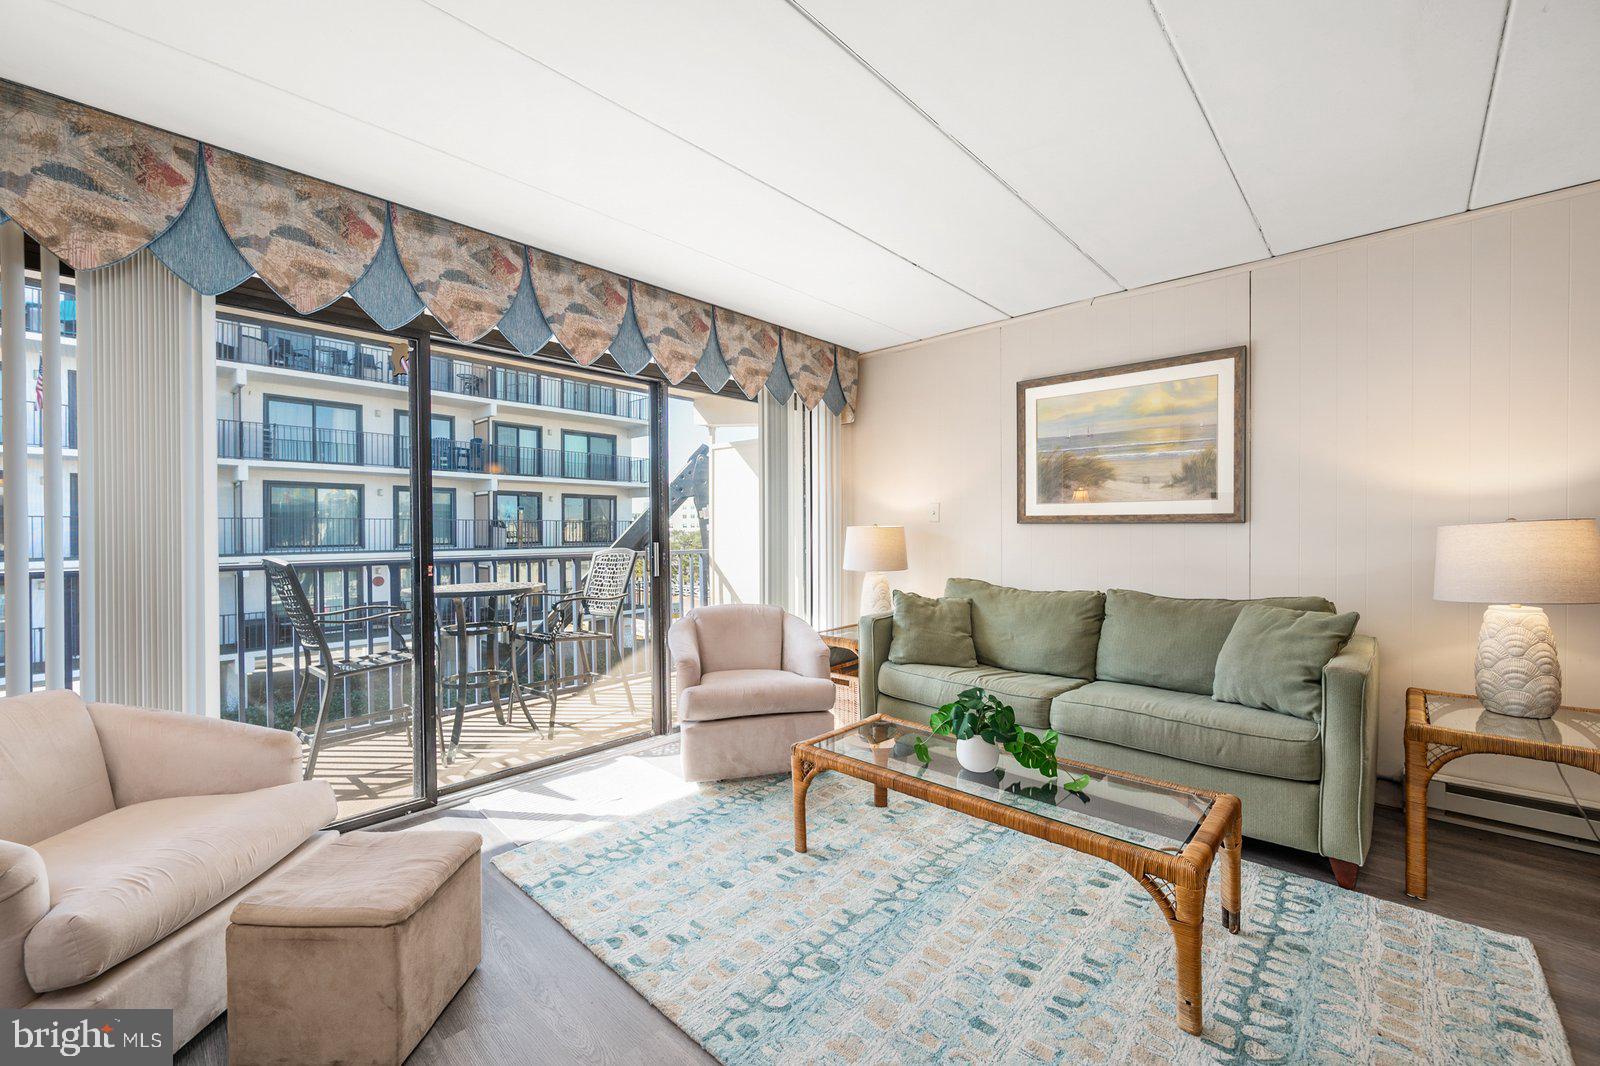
346,447
33,311
36,537
266,536
260,344
69,426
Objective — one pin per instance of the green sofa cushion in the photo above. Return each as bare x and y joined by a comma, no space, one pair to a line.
1273,658
932,631
1171,643
1190,727
1033,632
935,686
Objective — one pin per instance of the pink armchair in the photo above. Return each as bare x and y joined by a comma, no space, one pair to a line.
752,681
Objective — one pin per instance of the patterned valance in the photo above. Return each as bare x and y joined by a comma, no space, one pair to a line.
94,188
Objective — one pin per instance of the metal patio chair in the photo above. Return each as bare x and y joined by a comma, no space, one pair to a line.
605,589
322,665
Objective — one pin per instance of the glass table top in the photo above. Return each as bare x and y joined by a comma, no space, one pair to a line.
1572,727
1154,816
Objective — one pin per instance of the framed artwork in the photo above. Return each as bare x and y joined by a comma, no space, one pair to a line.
1162,441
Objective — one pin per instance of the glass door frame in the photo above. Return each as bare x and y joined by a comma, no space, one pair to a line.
256,297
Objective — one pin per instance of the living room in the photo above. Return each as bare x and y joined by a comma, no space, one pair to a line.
956,533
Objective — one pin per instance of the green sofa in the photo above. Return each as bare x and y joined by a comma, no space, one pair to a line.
1126,679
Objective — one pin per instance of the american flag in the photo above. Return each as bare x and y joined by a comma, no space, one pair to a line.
38,387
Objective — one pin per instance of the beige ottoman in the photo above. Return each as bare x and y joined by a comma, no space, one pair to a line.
351,956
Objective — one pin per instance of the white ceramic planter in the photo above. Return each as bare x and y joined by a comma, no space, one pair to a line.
978,755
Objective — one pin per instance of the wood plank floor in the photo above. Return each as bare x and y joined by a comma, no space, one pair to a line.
541,997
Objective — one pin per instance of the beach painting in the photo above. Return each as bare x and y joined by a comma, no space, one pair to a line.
1162,441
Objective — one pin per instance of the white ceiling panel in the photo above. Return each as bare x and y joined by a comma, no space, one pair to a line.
1080,107
1343,118
1544,122
757,85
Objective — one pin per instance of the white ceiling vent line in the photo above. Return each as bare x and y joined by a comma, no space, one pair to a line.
970,154
1199,101
1488,107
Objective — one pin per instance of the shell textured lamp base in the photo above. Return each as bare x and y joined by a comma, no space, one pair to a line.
875,594
1518,672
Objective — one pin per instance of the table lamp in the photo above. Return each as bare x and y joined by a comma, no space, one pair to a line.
875,551
1509,565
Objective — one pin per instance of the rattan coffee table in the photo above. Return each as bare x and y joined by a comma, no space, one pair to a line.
1164,836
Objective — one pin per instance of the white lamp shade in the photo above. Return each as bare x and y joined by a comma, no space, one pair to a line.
1519,562
875,549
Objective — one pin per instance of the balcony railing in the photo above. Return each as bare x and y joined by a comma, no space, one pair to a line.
260,344
265,536
302,444
36,537
33,311
69,426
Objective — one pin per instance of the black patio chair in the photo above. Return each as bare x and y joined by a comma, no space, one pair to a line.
605,590
322,665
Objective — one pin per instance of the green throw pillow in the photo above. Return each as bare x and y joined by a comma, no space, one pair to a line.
1033,632
1274,656
933,632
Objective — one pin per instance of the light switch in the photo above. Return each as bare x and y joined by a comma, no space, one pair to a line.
933,512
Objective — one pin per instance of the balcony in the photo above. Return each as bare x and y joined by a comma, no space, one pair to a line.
302,444
33,311
260,344
36,537
265,536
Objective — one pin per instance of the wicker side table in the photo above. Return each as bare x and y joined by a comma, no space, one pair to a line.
847,708
1443,726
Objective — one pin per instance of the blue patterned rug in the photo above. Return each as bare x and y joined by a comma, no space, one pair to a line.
915,934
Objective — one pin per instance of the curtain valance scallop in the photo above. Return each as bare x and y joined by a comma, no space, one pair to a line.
94,188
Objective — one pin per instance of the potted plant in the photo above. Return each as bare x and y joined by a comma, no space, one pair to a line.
982,725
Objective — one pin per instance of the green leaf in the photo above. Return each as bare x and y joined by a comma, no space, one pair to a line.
1077,784
920,747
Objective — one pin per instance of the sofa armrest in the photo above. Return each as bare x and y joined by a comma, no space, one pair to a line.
1349,749
875,633
161,754
803,651
24,899
683,645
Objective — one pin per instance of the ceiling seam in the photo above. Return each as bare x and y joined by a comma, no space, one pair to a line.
1488,104
1183,68
714,156
952,138
494,171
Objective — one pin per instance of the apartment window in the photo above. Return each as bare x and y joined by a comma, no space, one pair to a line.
442,433
519,514
588,519
444,516
313,517
312,431
516,448
591,455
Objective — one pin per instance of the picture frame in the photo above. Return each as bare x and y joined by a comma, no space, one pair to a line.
1164,440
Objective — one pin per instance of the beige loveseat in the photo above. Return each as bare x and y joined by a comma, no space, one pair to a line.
126,836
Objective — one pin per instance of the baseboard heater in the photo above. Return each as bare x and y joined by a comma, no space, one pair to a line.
1552,820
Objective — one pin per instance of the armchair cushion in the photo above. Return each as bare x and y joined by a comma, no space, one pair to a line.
52,774
152,755
123,881
746,693
739,636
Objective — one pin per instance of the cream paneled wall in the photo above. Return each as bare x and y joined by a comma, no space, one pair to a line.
1447,372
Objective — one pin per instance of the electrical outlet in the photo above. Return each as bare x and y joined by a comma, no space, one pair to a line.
933,512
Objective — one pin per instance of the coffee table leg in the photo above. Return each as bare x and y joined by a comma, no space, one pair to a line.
1188,934
803,772
1232,846
880,795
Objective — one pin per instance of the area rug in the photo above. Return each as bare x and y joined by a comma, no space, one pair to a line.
914,934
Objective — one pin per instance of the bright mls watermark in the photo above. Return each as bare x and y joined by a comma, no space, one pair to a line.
87,1037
